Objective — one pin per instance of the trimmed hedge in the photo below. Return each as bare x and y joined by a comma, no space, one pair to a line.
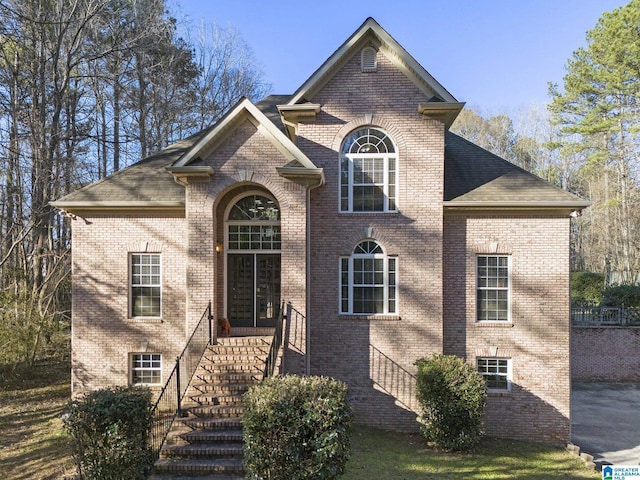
453,396
110,434
297,428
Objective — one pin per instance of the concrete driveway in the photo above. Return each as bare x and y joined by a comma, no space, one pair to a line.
605,421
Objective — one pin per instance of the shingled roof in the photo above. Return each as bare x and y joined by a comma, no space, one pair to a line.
145,184
475,177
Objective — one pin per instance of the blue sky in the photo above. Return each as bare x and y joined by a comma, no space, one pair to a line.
496,55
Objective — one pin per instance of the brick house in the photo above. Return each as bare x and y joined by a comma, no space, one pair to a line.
390,237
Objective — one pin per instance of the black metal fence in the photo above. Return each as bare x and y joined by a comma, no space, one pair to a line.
276,343
605,316
169,403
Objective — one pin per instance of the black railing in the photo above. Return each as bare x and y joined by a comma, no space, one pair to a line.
169,404
605,316
276,343
394,379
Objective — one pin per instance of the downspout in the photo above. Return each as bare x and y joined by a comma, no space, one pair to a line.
307,361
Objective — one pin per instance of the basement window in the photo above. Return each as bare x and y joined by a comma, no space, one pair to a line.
496,372
146,369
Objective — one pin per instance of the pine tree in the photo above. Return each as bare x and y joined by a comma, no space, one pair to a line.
598,111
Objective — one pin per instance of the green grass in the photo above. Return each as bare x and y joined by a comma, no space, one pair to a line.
379,455
34,446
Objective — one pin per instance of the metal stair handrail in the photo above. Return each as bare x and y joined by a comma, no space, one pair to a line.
169,403
276,343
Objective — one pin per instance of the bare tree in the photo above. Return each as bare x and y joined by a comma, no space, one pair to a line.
228,72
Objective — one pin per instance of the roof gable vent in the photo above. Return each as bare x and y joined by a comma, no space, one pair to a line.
369,59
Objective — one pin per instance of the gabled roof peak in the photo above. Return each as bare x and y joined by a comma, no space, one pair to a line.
400,56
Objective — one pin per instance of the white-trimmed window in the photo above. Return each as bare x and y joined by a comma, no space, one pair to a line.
368,281
146,369
493,280
496,372
368,172
254,224
146,286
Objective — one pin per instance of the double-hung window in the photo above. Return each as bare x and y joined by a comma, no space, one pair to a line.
368,172
146,369
493,278
146,286
368,281
496,372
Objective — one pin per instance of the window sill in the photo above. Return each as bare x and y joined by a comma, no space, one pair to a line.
356,316
494,323
499,393
368,214
145,319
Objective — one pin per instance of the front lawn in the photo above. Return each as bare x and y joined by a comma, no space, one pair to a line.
33,445
379,455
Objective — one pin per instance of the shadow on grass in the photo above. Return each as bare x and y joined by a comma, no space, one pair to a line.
33,444
388,455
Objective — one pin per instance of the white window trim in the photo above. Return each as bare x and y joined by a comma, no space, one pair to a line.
132,286
350,284
508,375
386,157
263,223
133,369
508,288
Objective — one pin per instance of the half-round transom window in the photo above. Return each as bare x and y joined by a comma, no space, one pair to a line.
254,224
255,207
368,140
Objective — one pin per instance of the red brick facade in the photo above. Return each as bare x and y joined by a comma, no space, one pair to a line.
610,354
435,250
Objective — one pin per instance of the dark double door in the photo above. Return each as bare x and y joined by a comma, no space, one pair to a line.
253,289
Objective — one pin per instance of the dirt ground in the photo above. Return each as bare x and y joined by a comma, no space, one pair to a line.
33,444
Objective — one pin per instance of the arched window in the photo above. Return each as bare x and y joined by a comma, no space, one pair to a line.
368,281
368,172
254,224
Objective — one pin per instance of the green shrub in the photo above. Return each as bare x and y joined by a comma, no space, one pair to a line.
621,295
586,288
110,432
452,395
297,428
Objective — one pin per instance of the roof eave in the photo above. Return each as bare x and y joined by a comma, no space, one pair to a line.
291,116
573,208
310,177
191,174
446,112
77,207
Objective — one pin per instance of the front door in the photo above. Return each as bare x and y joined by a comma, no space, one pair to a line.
253,289
253,246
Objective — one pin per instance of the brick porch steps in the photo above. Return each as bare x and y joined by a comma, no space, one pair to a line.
208,442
